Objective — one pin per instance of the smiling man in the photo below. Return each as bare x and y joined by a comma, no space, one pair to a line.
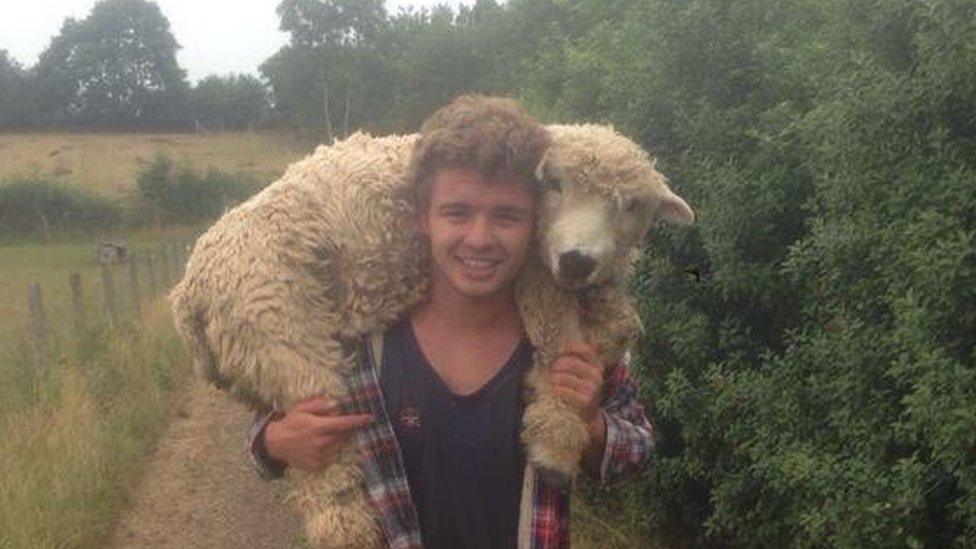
444,465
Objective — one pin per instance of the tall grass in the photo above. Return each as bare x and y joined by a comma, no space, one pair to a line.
74,435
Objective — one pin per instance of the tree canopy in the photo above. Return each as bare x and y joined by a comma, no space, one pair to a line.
116,67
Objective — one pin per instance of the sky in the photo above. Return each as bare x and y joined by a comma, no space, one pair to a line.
212,42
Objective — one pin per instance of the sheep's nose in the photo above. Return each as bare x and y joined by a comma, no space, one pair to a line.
574,266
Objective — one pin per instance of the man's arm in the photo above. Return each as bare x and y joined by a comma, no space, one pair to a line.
308,436
267,467
629,435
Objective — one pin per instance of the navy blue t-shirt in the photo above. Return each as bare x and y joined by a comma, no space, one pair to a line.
462,455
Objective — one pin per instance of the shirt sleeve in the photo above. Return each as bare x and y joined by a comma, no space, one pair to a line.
266,466
630,437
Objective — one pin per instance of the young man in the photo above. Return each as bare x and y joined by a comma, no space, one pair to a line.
448,469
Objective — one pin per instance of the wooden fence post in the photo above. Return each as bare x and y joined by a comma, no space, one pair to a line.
134,284
37,332
150,268
109,288
77,305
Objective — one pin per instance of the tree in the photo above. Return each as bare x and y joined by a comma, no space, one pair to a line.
230,102
316,23
16,106
318,80
116,67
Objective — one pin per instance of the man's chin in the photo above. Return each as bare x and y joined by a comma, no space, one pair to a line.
479,290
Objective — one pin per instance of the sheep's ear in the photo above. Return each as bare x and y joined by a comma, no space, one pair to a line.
672,209
540,169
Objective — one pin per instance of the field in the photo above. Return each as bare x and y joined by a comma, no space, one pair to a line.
76,433
51,263
108,162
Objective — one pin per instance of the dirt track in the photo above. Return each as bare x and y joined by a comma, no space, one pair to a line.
200,490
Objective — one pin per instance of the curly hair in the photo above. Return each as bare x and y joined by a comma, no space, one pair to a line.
492,135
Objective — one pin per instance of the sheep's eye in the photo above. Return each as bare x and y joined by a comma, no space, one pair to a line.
553,184
632,205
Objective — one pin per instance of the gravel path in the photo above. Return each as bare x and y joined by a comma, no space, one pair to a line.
200,489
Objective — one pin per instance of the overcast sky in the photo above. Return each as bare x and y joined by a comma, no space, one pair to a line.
217,36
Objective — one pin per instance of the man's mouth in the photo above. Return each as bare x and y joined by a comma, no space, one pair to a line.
478,265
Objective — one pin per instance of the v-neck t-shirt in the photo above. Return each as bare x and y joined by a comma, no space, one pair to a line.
461,452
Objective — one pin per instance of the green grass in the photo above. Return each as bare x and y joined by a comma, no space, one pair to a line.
599,521
75,434
51,263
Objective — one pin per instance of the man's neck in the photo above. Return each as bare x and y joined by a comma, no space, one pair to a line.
465,318
466,341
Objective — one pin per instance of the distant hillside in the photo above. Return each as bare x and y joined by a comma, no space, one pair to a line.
108,162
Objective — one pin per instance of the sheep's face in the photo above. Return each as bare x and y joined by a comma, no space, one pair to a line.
601,196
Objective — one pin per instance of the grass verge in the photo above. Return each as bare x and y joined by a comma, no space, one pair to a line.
75,434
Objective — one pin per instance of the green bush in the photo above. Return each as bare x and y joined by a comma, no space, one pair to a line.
816,384
174,194
40,206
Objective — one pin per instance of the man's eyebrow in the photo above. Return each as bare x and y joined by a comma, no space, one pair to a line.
452,205
512,210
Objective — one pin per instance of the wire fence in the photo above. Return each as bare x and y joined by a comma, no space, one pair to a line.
126,283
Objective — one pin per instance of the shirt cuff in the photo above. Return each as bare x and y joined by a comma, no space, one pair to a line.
267,467
613,434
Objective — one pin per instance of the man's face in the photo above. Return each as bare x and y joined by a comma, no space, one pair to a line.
480,233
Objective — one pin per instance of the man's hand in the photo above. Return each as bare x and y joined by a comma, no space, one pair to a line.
310,435
577,377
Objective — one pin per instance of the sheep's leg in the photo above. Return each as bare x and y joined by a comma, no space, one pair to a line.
333,502
611,320
334,506
554,433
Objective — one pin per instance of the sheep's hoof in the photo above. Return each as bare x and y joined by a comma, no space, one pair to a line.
557,459
556,438
346,527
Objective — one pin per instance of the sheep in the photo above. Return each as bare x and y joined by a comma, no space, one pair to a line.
278,294
602,195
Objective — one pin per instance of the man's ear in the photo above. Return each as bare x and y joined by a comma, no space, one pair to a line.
672,209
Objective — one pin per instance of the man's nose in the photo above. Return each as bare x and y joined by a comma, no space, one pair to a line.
480,233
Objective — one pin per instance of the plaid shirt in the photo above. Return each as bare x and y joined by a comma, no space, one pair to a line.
544,511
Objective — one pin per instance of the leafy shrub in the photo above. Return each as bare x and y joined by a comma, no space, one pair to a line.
180,195
815,384
38,205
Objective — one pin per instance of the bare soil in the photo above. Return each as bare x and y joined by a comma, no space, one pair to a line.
200,489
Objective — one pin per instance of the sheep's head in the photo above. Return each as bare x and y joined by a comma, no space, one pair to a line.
601,196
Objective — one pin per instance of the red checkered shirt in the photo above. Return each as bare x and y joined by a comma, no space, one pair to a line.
544,512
